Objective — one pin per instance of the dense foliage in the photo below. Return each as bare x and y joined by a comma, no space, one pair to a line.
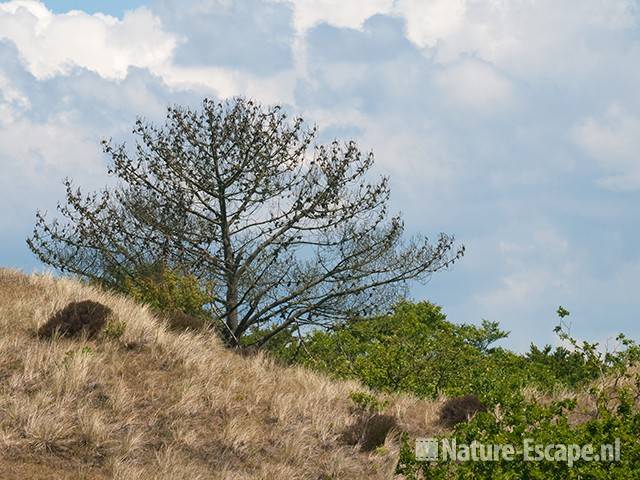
544,425
602,418
574,394
416,349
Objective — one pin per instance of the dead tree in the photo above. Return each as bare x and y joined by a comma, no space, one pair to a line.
289,233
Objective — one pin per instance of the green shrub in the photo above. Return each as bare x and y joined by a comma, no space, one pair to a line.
543,425
416,349
368,403
167,290
614,390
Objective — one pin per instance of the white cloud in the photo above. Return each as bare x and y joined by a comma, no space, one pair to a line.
34,158
52,44
419,88
476,85
338,13
429,22
422,168
543,240
49,149
613,140
226,82
529,38
12,100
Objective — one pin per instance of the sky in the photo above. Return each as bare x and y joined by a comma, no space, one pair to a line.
512,124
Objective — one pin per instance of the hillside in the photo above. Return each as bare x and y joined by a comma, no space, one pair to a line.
151,403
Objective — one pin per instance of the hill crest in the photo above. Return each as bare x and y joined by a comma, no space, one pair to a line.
152,403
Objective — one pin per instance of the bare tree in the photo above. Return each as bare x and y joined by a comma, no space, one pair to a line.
289,233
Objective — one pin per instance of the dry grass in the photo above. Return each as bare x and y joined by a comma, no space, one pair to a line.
605,389
154,404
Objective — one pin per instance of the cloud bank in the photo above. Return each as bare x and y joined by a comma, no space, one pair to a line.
514,125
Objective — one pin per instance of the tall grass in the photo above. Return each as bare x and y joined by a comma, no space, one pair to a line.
154,404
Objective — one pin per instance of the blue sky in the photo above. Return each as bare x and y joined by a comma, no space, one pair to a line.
513,125
110,7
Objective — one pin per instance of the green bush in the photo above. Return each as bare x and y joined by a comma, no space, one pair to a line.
543,425
613,387
366,402
167,290
416,349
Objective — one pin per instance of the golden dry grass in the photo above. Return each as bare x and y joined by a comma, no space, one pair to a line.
153,404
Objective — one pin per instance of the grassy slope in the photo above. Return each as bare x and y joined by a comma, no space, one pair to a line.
154,404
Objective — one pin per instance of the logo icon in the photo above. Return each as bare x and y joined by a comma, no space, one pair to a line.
426,449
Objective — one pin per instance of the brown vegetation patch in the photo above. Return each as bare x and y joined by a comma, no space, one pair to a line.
77,319
369,431
460,409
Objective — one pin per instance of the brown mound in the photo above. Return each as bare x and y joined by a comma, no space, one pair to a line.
369,431
77,319
460,409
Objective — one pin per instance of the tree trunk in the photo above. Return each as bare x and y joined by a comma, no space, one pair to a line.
232,312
